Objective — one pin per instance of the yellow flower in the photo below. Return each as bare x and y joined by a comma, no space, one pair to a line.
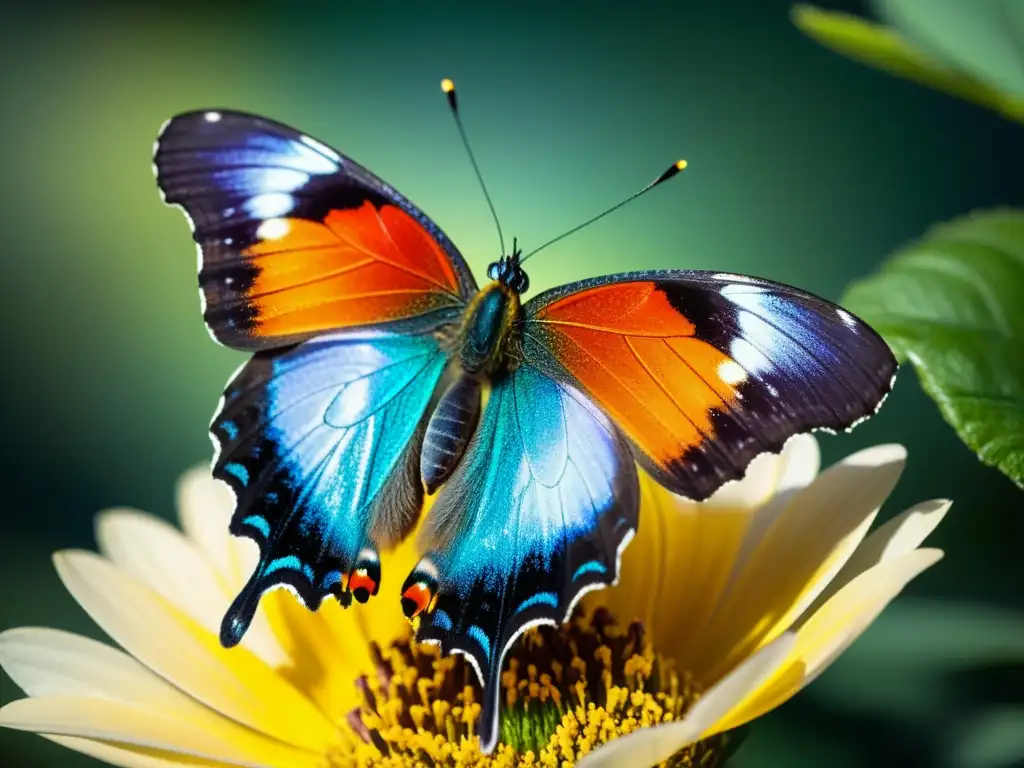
724,610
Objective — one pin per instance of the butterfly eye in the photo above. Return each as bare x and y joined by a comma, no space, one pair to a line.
415,599
492,270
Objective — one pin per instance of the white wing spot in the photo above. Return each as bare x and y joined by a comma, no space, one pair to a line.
212,117
273,229
269,205
731,372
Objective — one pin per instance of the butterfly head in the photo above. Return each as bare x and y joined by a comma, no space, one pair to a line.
508,271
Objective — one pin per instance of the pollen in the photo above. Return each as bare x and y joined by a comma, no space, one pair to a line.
566,690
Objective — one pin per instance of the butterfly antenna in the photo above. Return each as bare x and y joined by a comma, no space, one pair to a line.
671,171
449,90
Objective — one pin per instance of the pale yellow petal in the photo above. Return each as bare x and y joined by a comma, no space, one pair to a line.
830,632
801,462
205,506
132,757
831,629
48,663
897,537
795,557
682,556
649,746
159,556
235,682
794,466
716,572
675,566
799,465
111,721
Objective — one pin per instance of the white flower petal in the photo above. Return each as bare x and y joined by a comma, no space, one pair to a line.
50,664
792,560
769,474
235,681
843,618
798,467
903,534
205,506
801,463
126,757
158,555
900,535
110,721
650,746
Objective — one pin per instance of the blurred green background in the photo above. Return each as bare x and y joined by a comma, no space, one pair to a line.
804,167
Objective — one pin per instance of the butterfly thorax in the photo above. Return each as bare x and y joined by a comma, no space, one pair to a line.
488,328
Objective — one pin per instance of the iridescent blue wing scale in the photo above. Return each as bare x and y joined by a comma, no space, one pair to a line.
536,513
320,443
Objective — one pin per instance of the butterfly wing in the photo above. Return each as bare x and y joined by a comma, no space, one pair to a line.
296,239
320,443
537,512
703,371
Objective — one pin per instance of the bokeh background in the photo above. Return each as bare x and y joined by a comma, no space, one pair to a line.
804,167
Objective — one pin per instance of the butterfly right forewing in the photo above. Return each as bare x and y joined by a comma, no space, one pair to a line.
703,371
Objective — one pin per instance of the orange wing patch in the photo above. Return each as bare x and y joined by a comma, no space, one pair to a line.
638,357
357,267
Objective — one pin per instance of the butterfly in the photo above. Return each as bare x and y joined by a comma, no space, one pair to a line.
381,371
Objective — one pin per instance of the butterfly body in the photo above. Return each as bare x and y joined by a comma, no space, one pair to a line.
381,373
488,329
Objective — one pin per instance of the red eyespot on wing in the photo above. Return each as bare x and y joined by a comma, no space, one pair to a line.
362,585
415,599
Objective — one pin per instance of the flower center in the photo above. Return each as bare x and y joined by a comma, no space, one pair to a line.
567,690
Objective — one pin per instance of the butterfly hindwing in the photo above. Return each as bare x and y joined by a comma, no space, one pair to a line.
703,370
536,513
296,239
320,443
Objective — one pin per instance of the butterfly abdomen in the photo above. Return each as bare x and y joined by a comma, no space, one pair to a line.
486,327
451,425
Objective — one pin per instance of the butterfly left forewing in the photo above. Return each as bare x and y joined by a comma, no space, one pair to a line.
296,239
536,513
703,371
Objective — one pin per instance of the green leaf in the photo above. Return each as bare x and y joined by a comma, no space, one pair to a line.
953,305
984,38
887,49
